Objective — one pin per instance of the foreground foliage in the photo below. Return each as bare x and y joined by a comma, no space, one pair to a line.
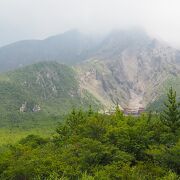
89,146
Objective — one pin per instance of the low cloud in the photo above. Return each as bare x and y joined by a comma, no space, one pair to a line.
31,19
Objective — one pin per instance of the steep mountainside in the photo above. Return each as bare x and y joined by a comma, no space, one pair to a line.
41,88
129,68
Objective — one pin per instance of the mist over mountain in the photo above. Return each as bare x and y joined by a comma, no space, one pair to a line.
69,48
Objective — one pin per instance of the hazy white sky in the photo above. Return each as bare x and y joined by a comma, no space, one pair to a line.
29,19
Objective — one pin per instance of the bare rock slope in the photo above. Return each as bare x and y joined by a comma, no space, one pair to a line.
129,68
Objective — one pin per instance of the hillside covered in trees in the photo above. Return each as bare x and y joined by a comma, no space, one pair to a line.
42,89
88,145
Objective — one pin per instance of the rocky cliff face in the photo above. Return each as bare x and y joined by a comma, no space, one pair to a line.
129,68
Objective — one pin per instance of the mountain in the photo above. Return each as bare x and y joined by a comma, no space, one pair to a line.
69,48
47,87
129,68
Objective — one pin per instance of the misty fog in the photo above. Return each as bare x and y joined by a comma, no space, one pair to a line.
38,19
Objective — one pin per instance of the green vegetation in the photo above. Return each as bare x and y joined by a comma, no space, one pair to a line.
88,145
171,115
39,124
50,86
12,136
157,105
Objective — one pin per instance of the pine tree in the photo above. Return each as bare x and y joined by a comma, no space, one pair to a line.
90,110
118,113
171,114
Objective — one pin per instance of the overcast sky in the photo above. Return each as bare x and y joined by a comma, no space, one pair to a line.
37,19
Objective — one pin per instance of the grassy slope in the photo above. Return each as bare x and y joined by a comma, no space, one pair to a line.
52,86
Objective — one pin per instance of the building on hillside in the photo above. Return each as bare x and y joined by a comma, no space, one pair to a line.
134,112
127,111
141,110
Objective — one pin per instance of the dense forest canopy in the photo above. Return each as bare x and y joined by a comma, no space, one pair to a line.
89,145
